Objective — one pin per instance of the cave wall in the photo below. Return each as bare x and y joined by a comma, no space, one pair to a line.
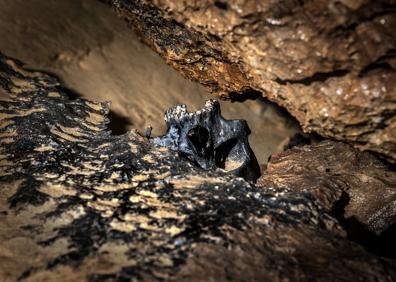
331,64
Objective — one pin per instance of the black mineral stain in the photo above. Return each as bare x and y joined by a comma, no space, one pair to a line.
87,233
27,193
242,96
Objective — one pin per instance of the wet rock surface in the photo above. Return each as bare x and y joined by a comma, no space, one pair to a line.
331,64
77,203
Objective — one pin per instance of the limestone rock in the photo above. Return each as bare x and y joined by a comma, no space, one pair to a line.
331,64
79,204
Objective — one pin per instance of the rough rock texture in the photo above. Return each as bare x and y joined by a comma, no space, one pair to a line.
330,63
353,186
77,203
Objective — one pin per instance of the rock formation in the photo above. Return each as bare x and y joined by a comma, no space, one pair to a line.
77,203
331,64
355,187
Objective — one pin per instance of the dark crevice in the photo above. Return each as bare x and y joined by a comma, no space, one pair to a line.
118,124
298,139
317,77
301,139
338,209
244,95
382,244
376,66
380,63
222,5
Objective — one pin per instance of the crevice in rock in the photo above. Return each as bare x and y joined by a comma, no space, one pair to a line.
222,5
118,124
382,244
380,63
302,139
375,66
317,77
244,95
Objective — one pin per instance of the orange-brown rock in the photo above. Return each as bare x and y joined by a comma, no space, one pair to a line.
353,186
331,64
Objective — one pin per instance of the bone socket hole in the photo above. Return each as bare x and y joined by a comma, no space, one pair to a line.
224,155
199,137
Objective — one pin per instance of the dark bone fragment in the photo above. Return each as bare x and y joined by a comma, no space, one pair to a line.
207,139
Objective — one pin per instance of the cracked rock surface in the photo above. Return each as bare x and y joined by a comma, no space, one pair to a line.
353,186
331,64
79,204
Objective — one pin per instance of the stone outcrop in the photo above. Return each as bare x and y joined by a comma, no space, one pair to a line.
77,203
331,64
355,187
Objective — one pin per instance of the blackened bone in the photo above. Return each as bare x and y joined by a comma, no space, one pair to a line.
208,140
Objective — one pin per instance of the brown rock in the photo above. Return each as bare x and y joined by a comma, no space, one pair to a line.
331,64
348,183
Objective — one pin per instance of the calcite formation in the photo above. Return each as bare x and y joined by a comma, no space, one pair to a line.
80,204
209,140
331,64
